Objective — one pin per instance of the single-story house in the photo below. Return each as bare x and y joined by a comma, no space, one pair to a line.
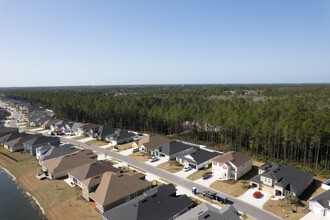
197,158
172,149
47,124
10,137
321,204
231,165
60,166
39,121
72,128
110,189
105,132
208,212
122,136
60,126
50,152
5,130
149,142
31,145
280,180
86,171
18,143
161,202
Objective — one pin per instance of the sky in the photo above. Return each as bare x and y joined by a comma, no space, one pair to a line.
123,42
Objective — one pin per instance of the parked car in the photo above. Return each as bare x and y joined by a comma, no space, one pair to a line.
257,194
135,150
186,168
209,194
206,175
153,159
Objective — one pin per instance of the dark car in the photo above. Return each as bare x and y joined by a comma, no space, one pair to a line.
257,194
206,175
209,194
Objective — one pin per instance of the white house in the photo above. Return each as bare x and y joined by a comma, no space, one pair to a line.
231,165
197,158
326,185
321,204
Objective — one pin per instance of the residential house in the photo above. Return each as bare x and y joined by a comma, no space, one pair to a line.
10,137
50,152
110,189
321,204
172,149
280,180
39,121
59,167
208,212
105,132
31,145
122,136
72,128
47,124
150,142
161,202
6,130
197,158
87,129
86,171
231,165
60,126
18,143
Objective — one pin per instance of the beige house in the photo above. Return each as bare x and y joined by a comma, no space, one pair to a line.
60,166
280,180
149,142
231,165
110,189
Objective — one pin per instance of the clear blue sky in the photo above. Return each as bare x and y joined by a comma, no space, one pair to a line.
64,42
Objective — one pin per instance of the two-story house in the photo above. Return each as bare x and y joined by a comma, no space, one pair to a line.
231,165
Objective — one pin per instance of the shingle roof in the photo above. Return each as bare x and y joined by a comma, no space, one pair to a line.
114,186
208,212
93,169
158,203
68,162
50,122
7,130
18,142
41,140
156,140
88,126
105,130
173,147
234,157
122,134
57,151
199,155
287,177
323,199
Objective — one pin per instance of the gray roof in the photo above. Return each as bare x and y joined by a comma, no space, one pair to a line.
289,178
12,136
4,130
122,134
173,147
55,152
323,199
105,130
40,140
199,155
158,203
208,212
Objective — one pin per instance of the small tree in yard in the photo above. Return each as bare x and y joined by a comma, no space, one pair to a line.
244,182
244,216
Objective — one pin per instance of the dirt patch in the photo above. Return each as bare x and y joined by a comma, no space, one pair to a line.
233,188
97,143
282,209
143,157
122,147
78,138
172,166
198,174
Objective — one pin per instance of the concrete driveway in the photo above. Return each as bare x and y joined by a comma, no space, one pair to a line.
259,202
314,216
184,174
126,152
206,182
156,163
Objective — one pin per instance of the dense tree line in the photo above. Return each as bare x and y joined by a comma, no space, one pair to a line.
287,123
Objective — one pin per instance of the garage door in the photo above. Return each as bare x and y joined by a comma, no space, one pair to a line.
317,210
192,166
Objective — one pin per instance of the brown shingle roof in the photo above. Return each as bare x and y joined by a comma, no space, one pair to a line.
234,157
70,161
156,140
50,122
89,126
92,169
115,186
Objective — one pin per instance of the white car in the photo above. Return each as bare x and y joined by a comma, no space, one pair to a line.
186,169
153,159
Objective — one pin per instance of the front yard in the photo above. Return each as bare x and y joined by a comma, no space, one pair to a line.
97,143
171,166
126,146
282,209
143,157
78,138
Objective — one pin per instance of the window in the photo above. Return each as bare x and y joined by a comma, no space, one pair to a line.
135,194
128,198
